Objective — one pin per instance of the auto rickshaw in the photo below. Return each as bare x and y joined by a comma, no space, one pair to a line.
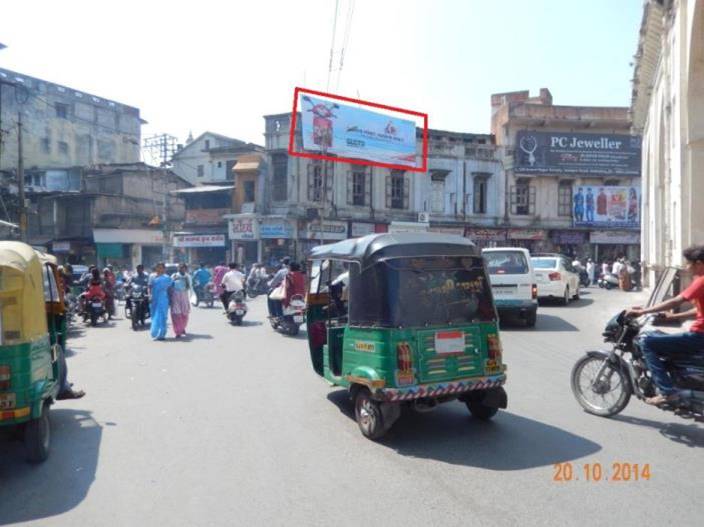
32,340
405,319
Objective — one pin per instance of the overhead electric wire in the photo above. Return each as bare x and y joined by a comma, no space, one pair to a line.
332,44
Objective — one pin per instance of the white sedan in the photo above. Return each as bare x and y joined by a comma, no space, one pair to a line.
556,278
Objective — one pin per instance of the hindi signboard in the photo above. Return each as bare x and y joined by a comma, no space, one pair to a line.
198,240
577,153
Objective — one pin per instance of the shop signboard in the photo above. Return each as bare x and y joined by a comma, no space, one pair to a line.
61,247
615,237
205,216
577,153
569,237
458,231
526,234
245,228
326,230
407,226
599,206
198,240
275,228
139,236
486,235
361,229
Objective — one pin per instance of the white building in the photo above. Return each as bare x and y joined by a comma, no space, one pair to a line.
668,111
209,158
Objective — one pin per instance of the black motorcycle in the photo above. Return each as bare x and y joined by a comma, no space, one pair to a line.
94,309
257,286
137,306
604,381
584,280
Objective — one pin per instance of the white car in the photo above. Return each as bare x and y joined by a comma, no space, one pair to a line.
556,278
512,282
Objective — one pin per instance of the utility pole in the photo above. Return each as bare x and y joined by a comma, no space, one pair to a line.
20,180
161,147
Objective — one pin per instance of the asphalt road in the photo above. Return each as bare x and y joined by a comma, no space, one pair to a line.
232,427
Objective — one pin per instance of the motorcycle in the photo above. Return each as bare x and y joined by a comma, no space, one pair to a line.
137,306
608,281
120,291
584,278
604,381
94,309
257,286
204,294
293,317
236,308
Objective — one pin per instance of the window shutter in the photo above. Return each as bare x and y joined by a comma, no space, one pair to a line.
328,181
350,188
311,182
406,191
531,205
368,187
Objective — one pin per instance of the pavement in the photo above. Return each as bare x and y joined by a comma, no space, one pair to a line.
232,427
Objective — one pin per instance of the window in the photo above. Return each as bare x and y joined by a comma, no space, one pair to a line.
523,198
396,190
200,170
219,164
61,110
611,183
357,195
46,145
480,194
63,147
315,182
207,144
248,191
437,200
564,199
280,168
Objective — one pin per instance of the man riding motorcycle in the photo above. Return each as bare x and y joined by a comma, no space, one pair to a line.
655,346
201,278
141,279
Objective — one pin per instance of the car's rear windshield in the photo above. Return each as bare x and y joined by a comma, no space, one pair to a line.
544,263
506,262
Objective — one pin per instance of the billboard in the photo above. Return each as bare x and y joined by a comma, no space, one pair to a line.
596,206
198,240
578,154
357,134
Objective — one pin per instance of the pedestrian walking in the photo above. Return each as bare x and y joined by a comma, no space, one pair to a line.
180,300
160,286
591,271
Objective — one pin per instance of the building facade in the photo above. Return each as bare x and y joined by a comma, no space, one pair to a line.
210,158
668,110
305,202
125,215
62,128
572,176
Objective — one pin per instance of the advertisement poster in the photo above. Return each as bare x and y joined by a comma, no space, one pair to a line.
579,154
348,131
606,206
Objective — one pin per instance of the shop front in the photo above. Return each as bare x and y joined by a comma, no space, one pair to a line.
210,249
408,226
278,239
610,245
243,230
535,240
126,248
486,237
572,243
455,230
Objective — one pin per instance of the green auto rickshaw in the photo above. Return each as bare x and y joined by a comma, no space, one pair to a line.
32,340
405,319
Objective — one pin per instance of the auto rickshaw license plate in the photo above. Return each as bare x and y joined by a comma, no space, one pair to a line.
7,401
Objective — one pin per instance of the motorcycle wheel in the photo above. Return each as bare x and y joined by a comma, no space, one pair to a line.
135,323
252,293
293,330
606,397
210,303
608,286
93,319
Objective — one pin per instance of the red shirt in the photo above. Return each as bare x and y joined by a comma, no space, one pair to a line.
695,294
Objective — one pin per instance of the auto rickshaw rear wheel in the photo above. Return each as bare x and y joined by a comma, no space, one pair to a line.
368,414
37,437
476,407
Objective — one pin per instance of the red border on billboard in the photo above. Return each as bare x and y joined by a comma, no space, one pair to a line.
351,160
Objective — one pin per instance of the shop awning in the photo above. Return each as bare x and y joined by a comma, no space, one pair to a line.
203,189
247,163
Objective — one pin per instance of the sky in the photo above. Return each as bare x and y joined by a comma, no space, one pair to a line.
222,65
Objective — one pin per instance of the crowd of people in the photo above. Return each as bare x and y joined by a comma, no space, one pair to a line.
627,273
172,294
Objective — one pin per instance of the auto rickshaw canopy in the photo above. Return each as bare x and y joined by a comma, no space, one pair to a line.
22,304
405,280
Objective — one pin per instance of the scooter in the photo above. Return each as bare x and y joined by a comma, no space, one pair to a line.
608,281
293,317
236,308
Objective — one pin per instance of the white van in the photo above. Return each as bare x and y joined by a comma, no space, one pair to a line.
513,282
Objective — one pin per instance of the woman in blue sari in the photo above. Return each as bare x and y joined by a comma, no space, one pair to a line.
160,286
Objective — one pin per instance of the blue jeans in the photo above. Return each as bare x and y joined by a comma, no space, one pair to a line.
655,346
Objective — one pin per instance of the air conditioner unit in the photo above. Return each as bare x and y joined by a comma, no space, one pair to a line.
423,217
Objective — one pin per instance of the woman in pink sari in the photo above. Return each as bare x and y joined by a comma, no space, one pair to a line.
180,300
